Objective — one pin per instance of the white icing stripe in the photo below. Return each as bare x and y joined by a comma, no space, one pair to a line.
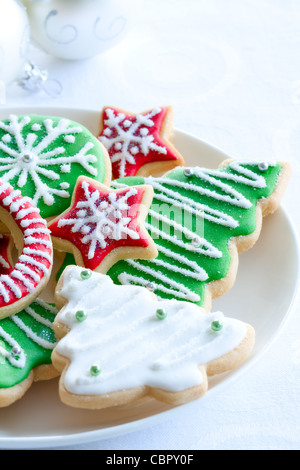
23,268
37,241
16,362
39,231
180,195
43,343
4,263
38,317
39,253
3,292
133,348
12,285
25,223
46,306
200,210
20,277
25,212
208,250
20,361
4,187
10,198
177,289
32,262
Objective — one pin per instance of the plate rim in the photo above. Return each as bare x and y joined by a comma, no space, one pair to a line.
80,438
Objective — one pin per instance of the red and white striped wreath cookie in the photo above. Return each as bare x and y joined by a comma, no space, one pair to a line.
25,281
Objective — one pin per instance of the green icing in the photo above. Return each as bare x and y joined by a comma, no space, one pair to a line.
59,152
32,333
69,259
183,271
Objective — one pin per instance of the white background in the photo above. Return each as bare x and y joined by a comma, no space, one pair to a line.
231,70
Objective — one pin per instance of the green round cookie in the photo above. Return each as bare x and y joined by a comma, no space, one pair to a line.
43,156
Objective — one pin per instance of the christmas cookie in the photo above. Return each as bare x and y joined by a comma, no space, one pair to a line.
200,219
21,285
27,340
43,156
139,144
103,225
119,343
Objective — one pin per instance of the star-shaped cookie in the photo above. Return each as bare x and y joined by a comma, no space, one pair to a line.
103,225
139,144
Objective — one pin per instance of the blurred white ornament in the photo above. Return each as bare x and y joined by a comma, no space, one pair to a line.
78,29
14,40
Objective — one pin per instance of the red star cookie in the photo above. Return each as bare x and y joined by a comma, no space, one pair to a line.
139,144
103,226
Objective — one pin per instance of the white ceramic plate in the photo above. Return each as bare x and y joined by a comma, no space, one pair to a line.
263,295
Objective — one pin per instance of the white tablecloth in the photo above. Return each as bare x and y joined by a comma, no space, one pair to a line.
231,70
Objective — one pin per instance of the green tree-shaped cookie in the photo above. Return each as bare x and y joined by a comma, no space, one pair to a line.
200,219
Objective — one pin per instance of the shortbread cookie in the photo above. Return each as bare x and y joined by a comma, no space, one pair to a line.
103,225
31,273
27,340
43,156
139,144
119,343
200,219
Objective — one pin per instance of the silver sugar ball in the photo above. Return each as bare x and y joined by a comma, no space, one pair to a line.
27,158
196,242
188,172
263,166
16,351
151,287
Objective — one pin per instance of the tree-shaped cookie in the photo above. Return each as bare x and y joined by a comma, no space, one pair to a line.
200,219
26,343
43,156
119,343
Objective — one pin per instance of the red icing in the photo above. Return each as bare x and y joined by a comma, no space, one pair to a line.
61,229
35,261
5,266
140,158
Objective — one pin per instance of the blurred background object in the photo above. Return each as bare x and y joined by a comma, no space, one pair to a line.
78,29
14,41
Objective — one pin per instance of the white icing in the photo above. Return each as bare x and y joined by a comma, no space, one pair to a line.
3,263
133,348
12,285
129,142
20,361
42,161
175,194
98,222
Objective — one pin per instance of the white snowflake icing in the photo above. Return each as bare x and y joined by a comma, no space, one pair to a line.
31,156
128,138
99,222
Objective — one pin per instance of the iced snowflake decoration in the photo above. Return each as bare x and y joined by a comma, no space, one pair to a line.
100,219
29,156
129,139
